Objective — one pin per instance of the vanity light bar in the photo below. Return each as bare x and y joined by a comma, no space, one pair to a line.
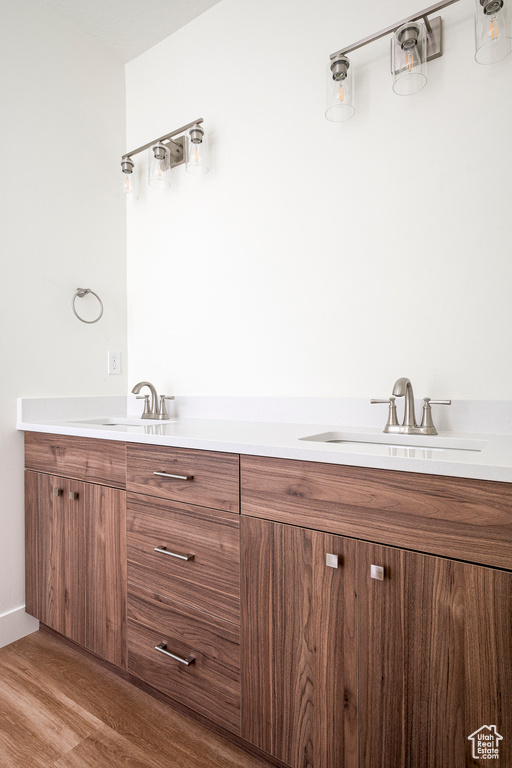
176,147
393,27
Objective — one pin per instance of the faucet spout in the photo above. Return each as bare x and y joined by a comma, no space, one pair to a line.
403,387
153,413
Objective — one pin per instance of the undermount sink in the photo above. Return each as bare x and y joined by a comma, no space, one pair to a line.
121,422
362,441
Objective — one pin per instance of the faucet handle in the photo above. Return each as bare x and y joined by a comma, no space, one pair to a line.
427,425
146,402
162,414
392,419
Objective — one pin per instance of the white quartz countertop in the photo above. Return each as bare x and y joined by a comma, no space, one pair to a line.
480,456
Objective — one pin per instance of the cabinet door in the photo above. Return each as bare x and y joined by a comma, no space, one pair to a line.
55,555
75,555
435,659
105,572
299,645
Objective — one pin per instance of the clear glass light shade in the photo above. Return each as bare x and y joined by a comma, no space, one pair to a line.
129,181
409,58
196,157
340,97
493,30
159,168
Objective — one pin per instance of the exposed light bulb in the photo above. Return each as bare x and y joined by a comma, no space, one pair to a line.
340,97
159,166
408,58
196,152
493,31
129,182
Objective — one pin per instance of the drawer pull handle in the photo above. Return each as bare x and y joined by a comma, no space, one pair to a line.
73,495
332,561
164,551
57,491
175,477
377,572
162,648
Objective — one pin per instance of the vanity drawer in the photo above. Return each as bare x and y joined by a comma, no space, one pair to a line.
212,477
81,458
450,516
210,684
210,579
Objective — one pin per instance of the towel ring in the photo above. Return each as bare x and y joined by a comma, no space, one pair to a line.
81,292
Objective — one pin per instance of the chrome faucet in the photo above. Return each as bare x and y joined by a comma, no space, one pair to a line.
403,388
152,411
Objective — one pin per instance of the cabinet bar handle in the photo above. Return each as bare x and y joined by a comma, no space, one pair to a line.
57,491
176,477
162,648
377,572
164,551
73,495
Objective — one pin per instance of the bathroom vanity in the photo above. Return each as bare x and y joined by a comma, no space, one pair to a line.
330,615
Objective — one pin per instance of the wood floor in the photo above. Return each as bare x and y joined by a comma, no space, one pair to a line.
60,709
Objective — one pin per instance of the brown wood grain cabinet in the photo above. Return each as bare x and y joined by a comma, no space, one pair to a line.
204,478
179,576
342,667
184,577
76,561
435,664
348,618
299,644
207,678
81,458
188,553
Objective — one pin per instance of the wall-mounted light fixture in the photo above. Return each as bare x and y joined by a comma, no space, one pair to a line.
409,58
493,30
340,105
166,153
196,152
159,166
129,188
416,40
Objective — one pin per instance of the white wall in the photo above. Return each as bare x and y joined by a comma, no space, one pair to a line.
62,133
315,258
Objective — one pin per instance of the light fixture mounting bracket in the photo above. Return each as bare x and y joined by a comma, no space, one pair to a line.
176,149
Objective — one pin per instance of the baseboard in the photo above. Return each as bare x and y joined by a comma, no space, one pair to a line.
16,624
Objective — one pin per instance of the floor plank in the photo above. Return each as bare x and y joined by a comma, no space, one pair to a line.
59,709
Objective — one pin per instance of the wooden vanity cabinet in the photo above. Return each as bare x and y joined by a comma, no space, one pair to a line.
435,658
299,644
184,577
291,639
175,584
75,557
392,666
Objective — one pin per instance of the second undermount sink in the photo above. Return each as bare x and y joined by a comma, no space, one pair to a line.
365,441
